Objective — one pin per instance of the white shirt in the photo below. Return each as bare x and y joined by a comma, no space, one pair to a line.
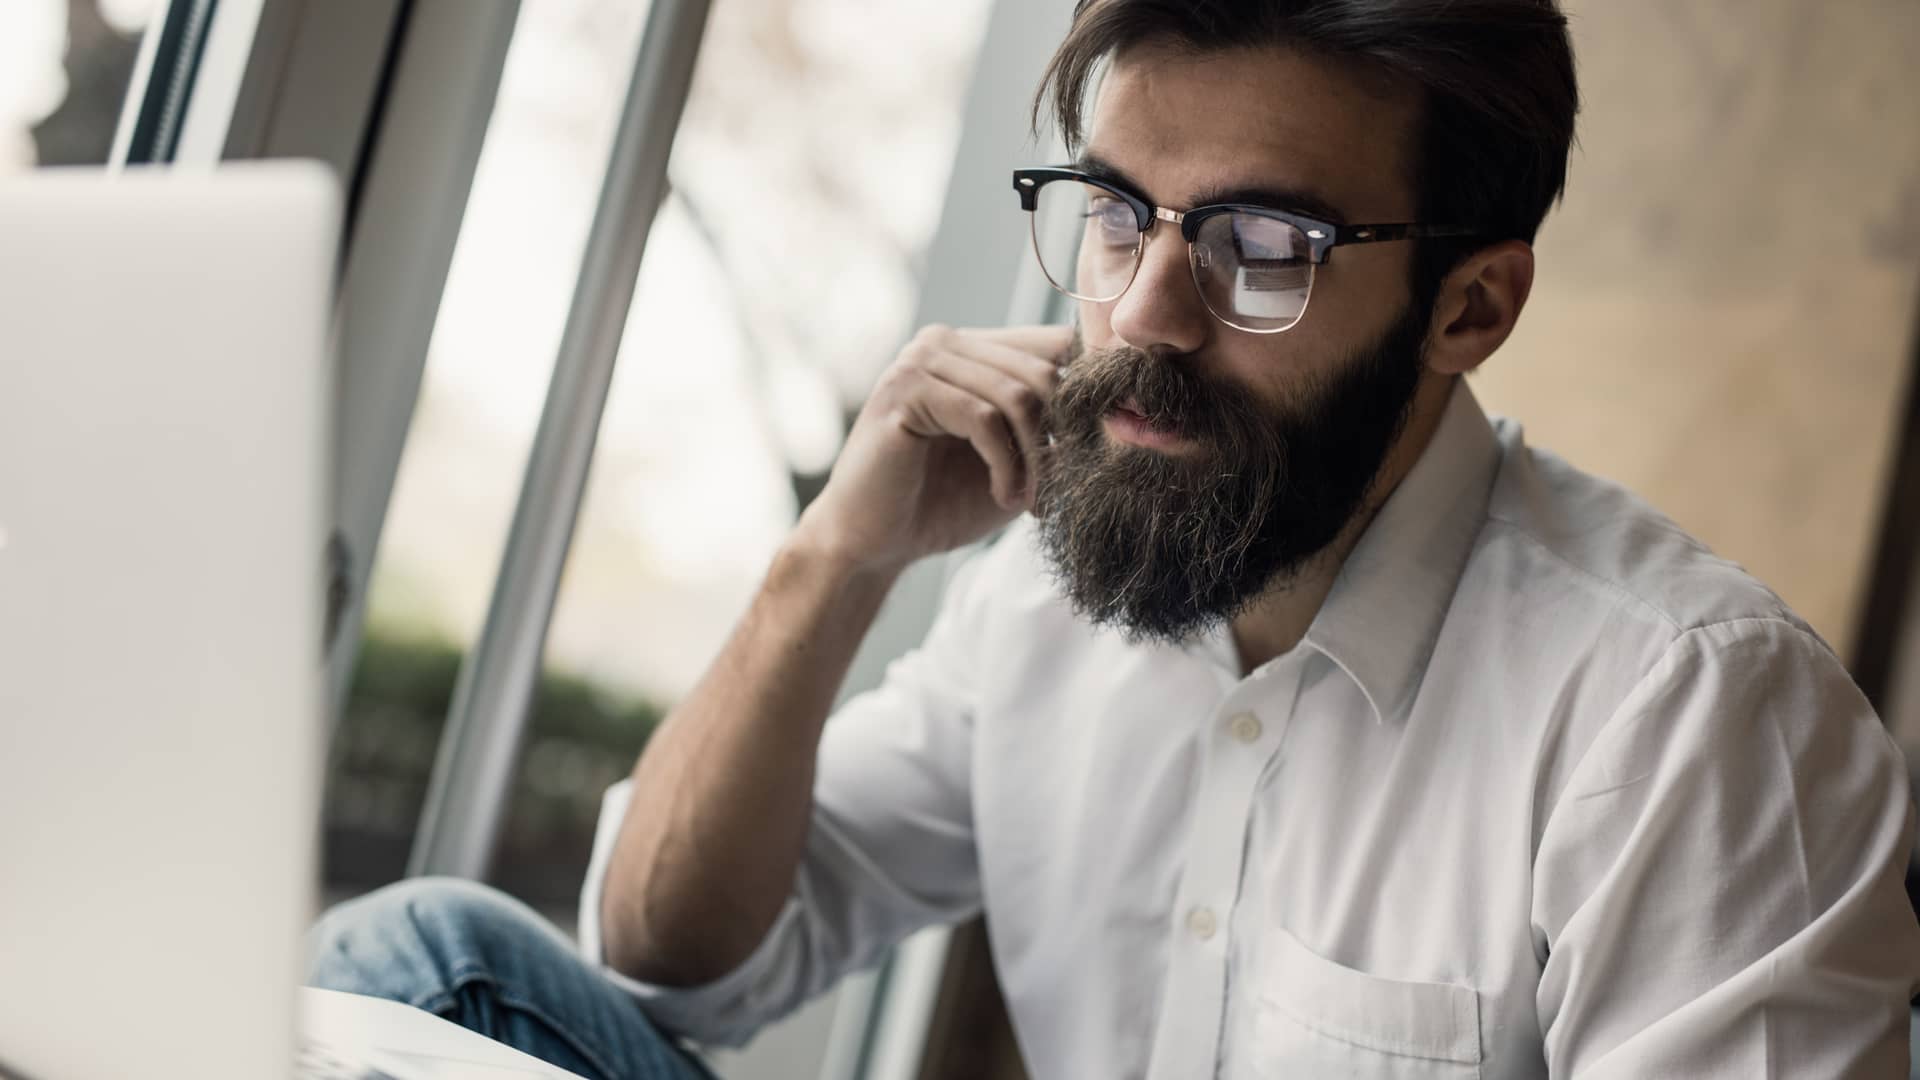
1547,789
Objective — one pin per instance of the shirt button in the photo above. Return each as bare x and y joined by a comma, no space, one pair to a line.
1245,727
1201,921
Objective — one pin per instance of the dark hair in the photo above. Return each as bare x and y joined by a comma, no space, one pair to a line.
1496,78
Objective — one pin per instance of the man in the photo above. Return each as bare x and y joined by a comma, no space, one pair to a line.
1311,724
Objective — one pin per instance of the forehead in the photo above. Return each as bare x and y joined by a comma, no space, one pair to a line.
1187,127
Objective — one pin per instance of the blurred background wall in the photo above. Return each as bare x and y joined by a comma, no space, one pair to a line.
1724,313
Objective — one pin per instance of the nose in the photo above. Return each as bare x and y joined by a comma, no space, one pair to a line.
1162,309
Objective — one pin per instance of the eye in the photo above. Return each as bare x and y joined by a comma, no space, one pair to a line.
1112,220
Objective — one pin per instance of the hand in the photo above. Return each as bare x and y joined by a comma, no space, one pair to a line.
944,450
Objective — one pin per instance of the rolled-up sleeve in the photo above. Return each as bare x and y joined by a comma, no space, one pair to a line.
889,850
1718,889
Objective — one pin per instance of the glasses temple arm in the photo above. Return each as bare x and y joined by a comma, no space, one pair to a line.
1379,234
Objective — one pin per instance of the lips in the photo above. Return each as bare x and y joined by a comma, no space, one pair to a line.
1128,423
1130,408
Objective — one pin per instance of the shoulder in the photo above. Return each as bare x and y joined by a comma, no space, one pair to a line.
1637,641
1598,551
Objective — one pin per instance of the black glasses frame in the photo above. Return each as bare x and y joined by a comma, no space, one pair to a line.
1322,236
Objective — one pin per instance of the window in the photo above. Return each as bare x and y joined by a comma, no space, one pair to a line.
491,355
64,69
780,278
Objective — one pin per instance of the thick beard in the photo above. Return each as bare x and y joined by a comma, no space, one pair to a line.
1165,547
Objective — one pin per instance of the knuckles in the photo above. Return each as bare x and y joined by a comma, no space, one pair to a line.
928,342
935,345
934,334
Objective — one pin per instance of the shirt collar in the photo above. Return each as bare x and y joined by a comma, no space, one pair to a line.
1380,620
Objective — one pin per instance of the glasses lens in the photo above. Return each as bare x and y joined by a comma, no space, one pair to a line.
1087,239
1254,272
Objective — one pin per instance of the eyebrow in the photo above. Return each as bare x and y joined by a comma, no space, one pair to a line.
1276,198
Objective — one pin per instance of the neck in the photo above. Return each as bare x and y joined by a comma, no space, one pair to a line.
1279,620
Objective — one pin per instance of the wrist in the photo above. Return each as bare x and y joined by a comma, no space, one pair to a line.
818,552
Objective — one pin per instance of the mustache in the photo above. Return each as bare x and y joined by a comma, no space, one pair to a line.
1171,391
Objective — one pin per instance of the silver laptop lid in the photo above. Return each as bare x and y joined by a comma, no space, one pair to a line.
163,395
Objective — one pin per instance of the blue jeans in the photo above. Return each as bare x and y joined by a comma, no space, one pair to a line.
486,962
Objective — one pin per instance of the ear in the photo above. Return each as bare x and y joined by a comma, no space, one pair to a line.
1478,305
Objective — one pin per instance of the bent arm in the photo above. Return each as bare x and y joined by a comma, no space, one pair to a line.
722,800
1719,888
706,855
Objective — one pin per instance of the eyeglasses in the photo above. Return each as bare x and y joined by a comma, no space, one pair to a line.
1254,265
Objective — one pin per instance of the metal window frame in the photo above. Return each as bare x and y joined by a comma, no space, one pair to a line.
472,777
163,81
425,125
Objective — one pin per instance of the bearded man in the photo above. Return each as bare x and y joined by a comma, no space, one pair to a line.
1302,721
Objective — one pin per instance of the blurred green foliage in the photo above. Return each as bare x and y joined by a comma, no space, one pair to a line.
581,738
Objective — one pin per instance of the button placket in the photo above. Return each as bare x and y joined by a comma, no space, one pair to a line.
1235,752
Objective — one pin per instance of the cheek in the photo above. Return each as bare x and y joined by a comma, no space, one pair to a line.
1277,369
1348,315
1096,326
1358,299
1273,376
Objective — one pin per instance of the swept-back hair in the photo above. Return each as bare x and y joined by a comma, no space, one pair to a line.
1495,78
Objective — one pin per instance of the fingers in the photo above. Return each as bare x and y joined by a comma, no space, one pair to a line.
1020,407
941,408
1040,373
1016,381
989,387
1049,343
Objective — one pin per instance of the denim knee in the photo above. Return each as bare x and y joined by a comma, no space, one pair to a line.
416,941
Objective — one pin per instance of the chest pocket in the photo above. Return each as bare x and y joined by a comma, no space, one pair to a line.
1317,1018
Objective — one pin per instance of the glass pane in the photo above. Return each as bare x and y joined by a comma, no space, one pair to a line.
64,69
1088,239
487,369
809,177
1253,271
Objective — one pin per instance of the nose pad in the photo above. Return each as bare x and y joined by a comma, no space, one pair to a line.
1202,257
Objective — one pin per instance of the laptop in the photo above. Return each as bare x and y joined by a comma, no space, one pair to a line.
164,401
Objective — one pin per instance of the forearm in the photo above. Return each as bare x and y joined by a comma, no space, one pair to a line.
723,796
708,850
